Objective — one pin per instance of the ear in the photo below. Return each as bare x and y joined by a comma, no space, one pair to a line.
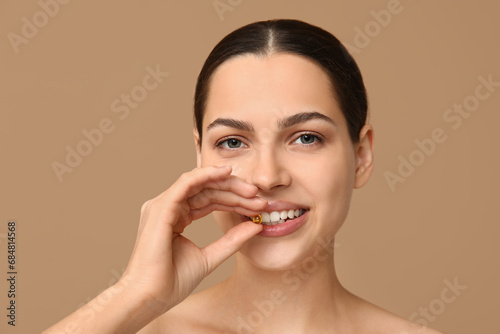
197,143
364,156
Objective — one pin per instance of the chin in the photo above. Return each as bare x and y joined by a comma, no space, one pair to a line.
279,254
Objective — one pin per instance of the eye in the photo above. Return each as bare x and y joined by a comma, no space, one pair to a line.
308,139
229,143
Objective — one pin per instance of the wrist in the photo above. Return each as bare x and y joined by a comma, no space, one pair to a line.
141,302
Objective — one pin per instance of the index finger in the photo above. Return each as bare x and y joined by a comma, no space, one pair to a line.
219,178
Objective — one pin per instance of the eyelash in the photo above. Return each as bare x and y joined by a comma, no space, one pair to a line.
318,140
223,140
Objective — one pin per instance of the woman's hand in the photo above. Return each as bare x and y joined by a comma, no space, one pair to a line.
165,267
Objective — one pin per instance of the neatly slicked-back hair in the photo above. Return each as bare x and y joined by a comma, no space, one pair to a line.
294,37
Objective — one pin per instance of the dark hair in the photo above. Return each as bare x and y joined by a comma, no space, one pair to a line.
296,37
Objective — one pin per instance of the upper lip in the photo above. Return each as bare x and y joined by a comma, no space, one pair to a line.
282,206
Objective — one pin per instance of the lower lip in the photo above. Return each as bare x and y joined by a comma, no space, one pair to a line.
288,227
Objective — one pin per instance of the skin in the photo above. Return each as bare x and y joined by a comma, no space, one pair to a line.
289,282
262,91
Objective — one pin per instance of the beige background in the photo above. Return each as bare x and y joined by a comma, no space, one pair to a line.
397,247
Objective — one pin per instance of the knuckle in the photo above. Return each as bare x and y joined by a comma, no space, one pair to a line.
144,206
198,201
184,177
192,202
208,193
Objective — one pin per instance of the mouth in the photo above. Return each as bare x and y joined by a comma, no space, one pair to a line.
279,217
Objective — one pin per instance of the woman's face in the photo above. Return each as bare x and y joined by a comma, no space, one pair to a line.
276,121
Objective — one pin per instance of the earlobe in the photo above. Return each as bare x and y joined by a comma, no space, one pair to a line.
197,144
364,156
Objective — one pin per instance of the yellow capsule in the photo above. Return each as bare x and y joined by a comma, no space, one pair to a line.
257,219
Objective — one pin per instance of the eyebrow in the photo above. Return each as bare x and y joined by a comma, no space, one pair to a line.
231,123
302,118
287,122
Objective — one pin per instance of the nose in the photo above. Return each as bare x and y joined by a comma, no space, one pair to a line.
269,171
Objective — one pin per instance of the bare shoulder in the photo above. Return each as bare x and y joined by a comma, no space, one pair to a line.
380,321
399,325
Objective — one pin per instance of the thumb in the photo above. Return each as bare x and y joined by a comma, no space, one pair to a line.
220,250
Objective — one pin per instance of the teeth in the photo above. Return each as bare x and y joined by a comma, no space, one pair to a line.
278,217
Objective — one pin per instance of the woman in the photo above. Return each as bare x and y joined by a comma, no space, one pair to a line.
281,133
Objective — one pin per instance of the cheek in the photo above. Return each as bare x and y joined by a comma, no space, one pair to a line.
339,177
240,166
329,173
330,182
208,157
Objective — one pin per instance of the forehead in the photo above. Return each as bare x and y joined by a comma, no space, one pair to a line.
277,83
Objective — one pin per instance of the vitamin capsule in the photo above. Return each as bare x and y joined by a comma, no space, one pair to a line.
257,219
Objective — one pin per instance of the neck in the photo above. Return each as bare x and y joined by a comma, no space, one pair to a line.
303,297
